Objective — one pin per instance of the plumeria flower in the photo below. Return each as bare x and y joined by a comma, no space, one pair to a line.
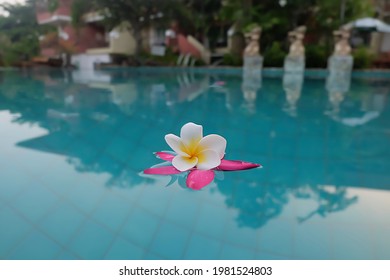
199,155
194,150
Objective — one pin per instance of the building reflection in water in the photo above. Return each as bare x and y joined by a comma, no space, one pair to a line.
292,85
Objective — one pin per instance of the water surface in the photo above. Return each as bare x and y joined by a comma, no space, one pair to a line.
73,146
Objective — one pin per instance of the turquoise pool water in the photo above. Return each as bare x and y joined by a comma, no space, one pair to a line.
73,145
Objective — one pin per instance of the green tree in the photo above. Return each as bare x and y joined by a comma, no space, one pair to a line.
202,18
320,16
19,39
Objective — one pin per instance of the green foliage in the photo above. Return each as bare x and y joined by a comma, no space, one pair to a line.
316,56
52,5
274,56
202,14
362,58
19,33
78,9
250,27
145,58
232,60
320,16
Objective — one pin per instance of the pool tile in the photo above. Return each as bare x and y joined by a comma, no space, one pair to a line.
131,130
91,242
241,233
380,236
286,127
284,147
170,241
312,241
281,171
183,211
35,202
60,179
277,237
257,143
155,198
232,252
84,151
12,184
202,248
140,227
153,256
85,196
153,139
119,148
137,158
352,242
98,137
14,229
311,147
211,220
124,250
236,142
310,171
35,246
112,211
269,256
66,255
62,222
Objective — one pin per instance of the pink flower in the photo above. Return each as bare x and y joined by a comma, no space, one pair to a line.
199,155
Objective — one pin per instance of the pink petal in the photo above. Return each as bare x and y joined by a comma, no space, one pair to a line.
197,179
165,156
231,165
163,170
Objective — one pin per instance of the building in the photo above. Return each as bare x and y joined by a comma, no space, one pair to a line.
85,46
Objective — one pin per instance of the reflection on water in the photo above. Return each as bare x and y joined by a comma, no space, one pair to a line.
329,198
251,83
111,122
337,84
372,104
292,85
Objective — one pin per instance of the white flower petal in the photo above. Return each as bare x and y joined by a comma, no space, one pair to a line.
191,134
184,163
176,144
214,142
208,159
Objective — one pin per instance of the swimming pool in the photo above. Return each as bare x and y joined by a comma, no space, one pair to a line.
73,146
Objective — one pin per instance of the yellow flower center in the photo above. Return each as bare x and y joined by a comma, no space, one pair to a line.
193,150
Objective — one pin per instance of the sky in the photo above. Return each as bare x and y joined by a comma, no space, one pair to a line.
9,1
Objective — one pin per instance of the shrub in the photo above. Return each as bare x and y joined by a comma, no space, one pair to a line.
274,56
362,58
250,27
232,60
316,56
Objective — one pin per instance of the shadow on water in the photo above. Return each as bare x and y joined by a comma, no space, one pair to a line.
315,141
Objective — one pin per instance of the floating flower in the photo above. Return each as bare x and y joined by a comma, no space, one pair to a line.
194,150
199,155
